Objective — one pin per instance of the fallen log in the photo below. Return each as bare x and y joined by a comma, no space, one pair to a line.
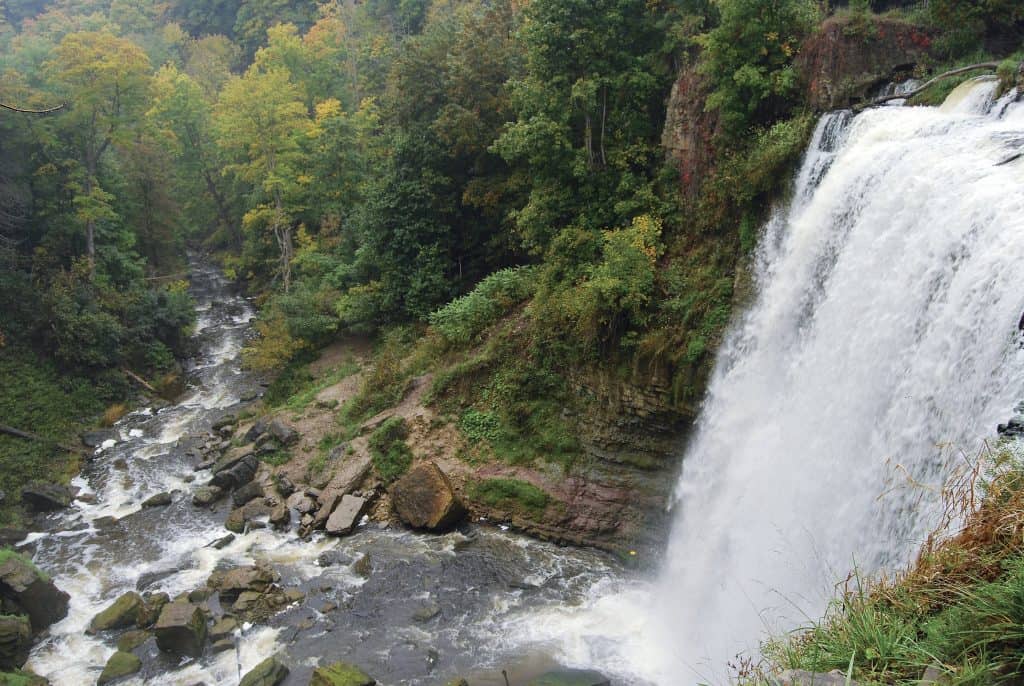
931,82
29,436
139,380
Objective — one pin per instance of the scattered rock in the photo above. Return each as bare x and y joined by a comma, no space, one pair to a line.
149,578
340,674
130,640
346,515
87,498
256,430
123,612
222,645
94,439
246,493
11,535
282,432
363,566
280,517
222,542
226,420
120,665
158,500
121,464
284,485
207,495
155,603
328,607
15,641
240,472
47,497
25,590
424,499
230,584
301,502
426,612
223,628
181,629
270,672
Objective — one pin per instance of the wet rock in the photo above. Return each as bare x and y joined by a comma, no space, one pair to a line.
256,430
282,432
207,495
270,672
222,542
280,517
800,677
294,595
329,558
424,499
340,674
154,605
94,439
10,535
363,566
284,485
231,583
27,591
223,628
130,640
47,497
246,493
181,629
149,578
120,665
226,420
328,607
226,431
247,515
87,498
241,472
426,612
301,503
123,612
15,641
222,645
346,515
327,501
256,607
199,595
120,464
158,500
570,677
457,682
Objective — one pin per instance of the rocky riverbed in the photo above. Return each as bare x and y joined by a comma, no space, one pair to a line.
187,561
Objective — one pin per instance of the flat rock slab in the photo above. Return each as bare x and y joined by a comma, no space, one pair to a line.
341,674
270,672
346,515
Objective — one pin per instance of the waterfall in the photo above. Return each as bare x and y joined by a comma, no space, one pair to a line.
882,349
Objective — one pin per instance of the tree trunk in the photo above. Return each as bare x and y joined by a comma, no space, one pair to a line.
928,84
90,227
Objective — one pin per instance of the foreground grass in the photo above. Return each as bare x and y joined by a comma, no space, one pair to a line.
958,611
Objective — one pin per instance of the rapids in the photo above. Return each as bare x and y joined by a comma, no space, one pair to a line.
479,580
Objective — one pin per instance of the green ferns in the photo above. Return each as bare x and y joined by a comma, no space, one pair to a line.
462,320
390,453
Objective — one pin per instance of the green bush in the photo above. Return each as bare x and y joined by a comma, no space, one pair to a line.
391,456
511,493
463,319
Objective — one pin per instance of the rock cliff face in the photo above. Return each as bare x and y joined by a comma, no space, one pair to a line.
688,137
846,58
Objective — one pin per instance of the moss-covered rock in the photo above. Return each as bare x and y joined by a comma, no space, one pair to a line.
270,672
181,629
120,665
341,674
570,677
20,678
123,612
130,640
15,641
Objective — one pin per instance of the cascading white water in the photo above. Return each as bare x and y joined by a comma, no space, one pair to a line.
882,347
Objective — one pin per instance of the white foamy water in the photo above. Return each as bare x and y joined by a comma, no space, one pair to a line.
882,347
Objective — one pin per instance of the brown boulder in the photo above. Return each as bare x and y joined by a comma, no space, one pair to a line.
424,499
27,591
181,629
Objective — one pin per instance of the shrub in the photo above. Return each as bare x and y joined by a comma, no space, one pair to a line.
511,493
391,456
464,318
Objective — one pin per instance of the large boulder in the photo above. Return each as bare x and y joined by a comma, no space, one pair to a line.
47,497
233,582
346,515
27,591
121,614
248,492
285,434
340,674
256,430
120,665
238,474
181,629
207,495
270,672
15,641
425,499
